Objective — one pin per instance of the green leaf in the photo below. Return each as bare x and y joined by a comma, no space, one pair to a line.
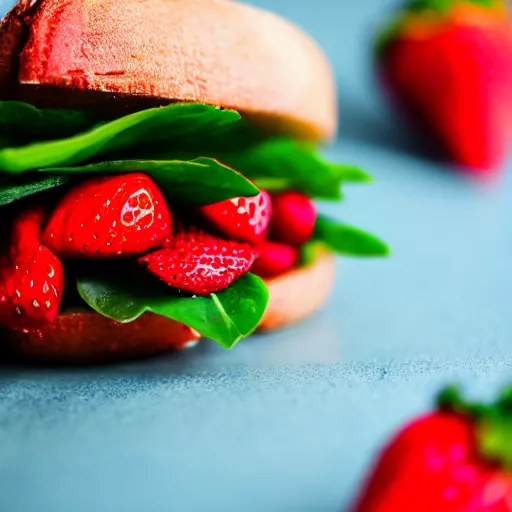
194,183
348,240
172,125
492,423
350,174
236,137
24,122
225,317
288,164
14,190
443,6
309,252
273,184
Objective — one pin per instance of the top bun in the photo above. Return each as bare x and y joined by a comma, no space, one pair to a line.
217,52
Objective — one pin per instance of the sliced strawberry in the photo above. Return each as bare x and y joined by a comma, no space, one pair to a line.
275,259
199,263
31,278
26,228
244,219
294,217
109,216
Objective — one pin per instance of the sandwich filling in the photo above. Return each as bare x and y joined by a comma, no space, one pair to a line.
183,211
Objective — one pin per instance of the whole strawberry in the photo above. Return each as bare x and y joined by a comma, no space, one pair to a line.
293,219
274,259
199,263
111,216
449,64
245,219
456,459
31,277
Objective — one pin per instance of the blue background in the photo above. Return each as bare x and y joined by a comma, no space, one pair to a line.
289,422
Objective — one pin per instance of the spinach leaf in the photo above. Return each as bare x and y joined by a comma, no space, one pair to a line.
309,252
193,183
225,317
23,122
350,174
282,164
348,240
171,125
343,174
12,190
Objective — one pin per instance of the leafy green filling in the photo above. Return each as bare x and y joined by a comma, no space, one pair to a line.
25,123
226,316
196,182
281,164
168,127
348,240
198,155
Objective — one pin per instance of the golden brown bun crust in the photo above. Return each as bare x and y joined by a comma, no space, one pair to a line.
299,293
218,52
89,337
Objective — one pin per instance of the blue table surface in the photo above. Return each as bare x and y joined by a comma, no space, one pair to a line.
289,421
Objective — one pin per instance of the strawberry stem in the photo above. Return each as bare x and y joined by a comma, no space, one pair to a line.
493,423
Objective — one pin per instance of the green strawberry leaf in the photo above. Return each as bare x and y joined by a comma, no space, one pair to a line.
225,317
173,125
348,240
289,164
443,6
192,183
12,190
492,423
25,123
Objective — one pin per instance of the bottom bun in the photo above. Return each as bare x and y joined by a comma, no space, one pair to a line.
299,293
88,337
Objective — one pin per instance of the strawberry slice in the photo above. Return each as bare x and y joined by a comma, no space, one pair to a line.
108,217
199,263
275,259
31,278
294,217
245,219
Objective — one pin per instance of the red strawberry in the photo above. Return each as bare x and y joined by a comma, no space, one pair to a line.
31,278
199,263
451,68
274,259
245,219
293,220
455,459
109,216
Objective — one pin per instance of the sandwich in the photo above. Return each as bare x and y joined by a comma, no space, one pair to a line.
159,163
